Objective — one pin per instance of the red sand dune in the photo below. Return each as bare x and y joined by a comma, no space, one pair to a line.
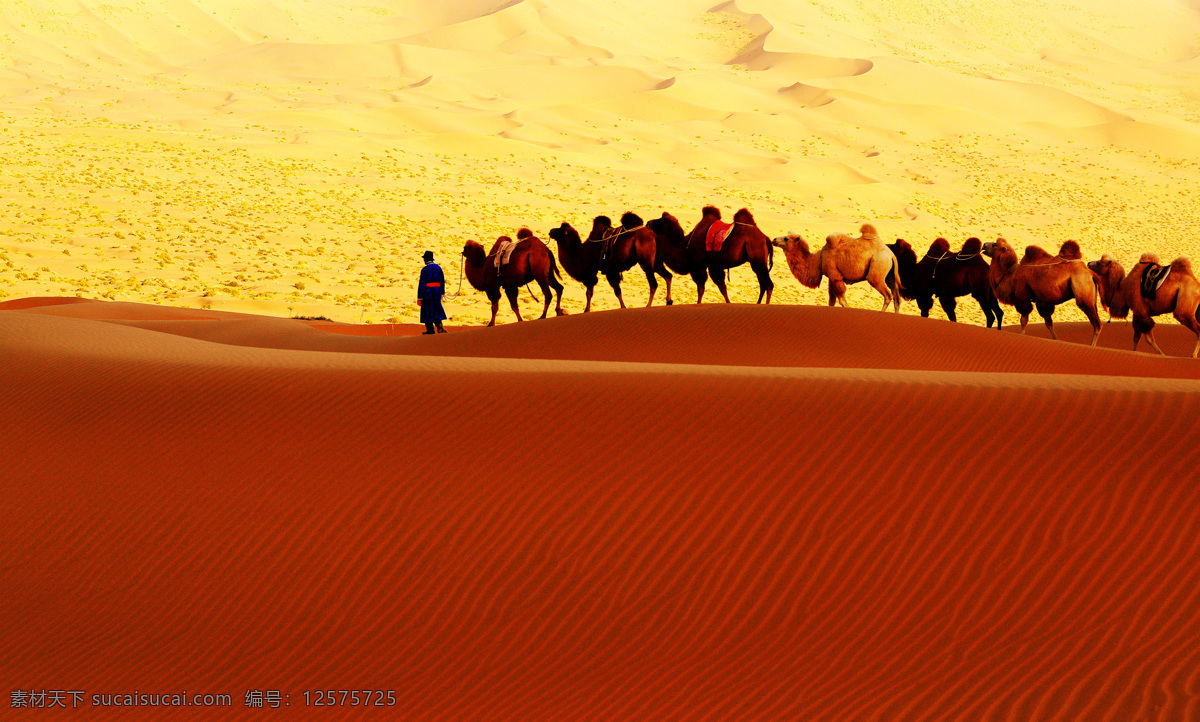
723,512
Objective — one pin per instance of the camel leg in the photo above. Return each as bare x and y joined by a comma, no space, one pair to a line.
651,280
718,277
925,304
840,287
985,307
1153,343
833,299
1046,311
670,301
588,307
511,292
614,280
545,295
700,280
1024,322
949,303
998,311
880,285
558,292
766,286
495,308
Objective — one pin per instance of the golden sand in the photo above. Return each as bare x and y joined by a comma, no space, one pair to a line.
295,158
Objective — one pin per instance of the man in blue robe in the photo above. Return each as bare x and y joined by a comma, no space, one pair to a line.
430,288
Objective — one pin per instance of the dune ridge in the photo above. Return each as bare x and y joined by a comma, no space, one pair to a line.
755,542
137,140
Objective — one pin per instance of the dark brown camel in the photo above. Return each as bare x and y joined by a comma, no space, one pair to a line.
624,247
670,247
947,275
1043,281
530,261
580,260
744,244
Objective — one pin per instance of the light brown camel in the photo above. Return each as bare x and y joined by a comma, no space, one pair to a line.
1114,284
845,260
1178,293
531,260
1044,281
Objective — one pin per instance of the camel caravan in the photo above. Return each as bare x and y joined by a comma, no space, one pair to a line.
990,273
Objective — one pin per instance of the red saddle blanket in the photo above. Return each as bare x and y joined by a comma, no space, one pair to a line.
717,233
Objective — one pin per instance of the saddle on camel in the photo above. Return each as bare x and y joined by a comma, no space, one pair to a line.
714,246
529,260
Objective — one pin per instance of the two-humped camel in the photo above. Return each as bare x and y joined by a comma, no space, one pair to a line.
845,260
1043,281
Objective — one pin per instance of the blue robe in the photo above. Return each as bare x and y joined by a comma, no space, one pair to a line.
430,288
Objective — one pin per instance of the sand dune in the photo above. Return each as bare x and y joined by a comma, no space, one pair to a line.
276,127
721,511
539,537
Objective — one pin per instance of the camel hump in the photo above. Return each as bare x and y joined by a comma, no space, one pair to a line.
631,220
868,231
711,211
1150,258
1070,251
971,246
1181,265
524,233
837,239
1035,254
743,216
939,246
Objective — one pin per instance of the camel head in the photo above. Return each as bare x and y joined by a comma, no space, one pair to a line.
1107,267
906,261
791,242
566,235
803,263
999,250
474,253
667,228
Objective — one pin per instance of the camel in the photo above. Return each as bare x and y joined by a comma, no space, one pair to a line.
580,260
1043,281
745,243
531,260
947,275
1114,294
670,249
845,260
1178,293
623,248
